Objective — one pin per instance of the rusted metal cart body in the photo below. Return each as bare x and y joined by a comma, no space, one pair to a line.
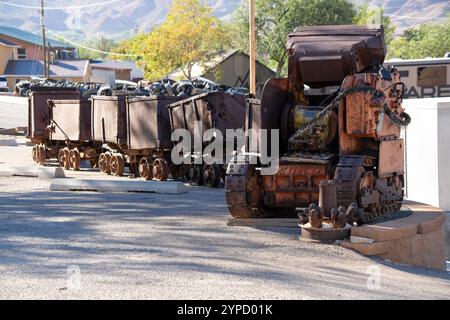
71,124
136,132
215,110
39,120
339,114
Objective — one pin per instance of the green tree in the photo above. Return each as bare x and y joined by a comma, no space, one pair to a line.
276,19
183,39
428,40
96,44
365,16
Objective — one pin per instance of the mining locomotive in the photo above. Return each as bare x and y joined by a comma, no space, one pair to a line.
339,116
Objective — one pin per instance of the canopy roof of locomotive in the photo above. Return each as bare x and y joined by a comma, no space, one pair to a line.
324,55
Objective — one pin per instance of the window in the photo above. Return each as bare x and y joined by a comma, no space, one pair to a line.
404,74
22,54
432,76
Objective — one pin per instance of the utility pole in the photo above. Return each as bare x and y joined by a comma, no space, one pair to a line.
102,46
43,40
252,47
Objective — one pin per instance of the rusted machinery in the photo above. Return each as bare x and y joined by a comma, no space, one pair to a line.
339,114
70,123
215,110
136,134
39,119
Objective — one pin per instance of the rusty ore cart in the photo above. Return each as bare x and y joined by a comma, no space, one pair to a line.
39,121
214,110
136,133
70,124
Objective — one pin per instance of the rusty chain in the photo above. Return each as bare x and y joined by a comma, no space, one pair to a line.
309,128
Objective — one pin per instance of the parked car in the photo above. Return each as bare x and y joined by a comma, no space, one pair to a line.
22,88
120,87
3,84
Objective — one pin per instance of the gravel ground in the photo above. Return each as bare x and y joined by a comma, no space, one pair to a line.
147,246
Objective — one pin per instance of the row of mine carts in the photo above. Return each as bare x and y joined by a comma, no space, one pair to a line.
128,135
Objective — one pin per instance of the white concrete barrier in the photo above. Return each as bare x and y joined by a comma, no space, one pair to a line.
13,100
8,143
32,172
13,112
428,151
117,186
24,142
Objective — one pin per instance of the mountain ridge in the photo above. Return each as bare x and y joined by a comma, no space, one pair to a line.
120,18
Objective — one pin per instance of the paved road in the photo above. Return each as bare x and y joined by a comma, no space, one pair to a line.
13,112
148,246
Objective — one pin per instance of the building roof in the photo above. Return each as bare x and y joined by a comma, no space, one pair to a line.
60,68
7,43
30,37
215,59
418,62
136,72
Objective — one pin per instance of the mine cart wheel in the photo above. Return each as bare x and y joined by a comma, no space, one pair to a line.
42,155
117,165
34,154
187,173
74,159
195,175
62,160
104,163
160,170
134,169
177,171
94,163
145,169
211,175
66,158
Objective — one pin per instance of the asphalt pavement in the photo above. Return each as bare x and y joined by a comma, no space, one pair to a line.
151,246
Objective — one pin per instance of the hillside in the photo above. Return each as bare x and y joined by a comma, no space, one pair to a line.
110,17
118,18
410,13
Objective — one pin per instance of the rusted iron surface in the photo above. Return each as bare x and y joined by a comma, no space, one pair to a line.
215,110
364,114
392,160
109,119
327,197
148,122
324,55
294,186
137,132
39,113
60,126
325,235
349,132
253,122
70,120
